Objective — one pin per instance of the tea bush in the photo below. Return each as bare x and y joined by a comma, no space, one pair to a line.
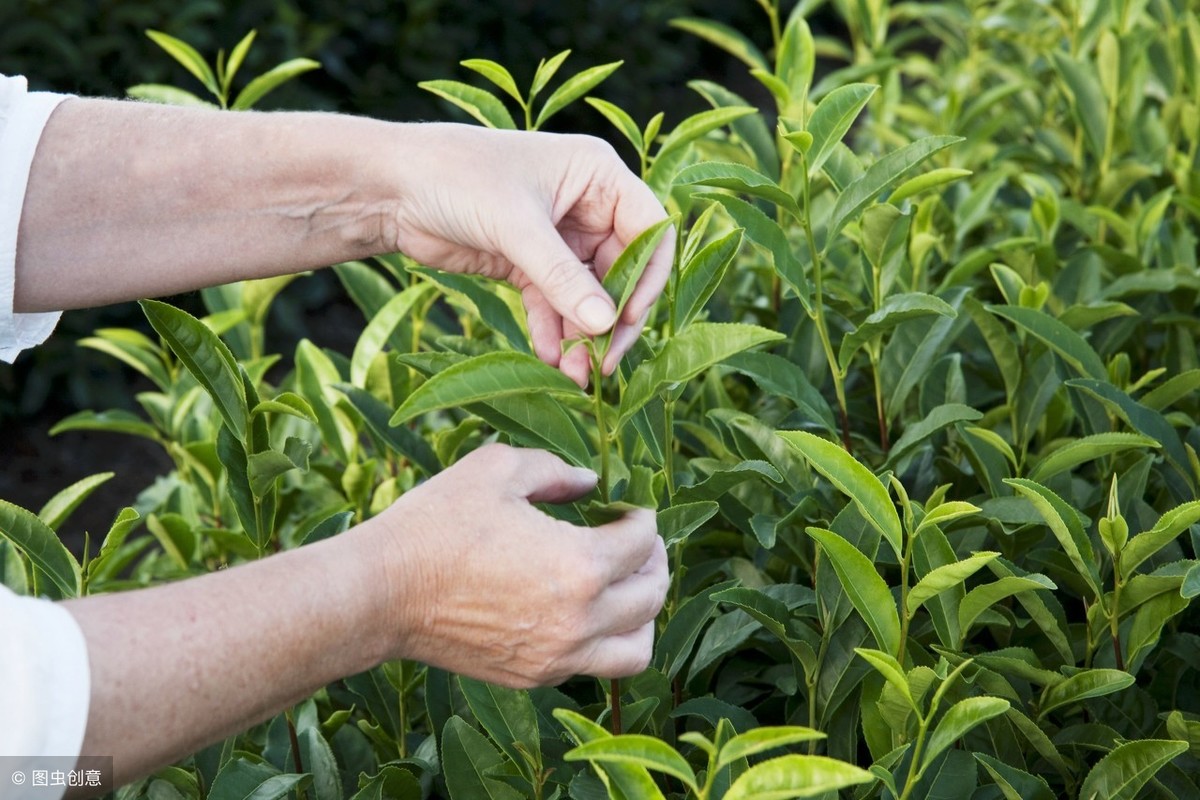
917,411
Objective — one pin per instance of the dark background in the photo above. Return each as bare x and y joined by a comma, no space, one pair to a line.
373,54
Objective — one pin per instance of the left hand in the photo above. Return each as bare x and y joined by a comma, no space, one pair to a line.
549,213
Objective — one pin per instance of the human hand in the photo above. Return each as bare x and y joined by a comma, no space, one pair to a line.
485,584
549,213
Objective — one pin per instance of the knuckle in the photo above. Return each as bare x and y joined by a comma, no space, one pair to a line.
561,277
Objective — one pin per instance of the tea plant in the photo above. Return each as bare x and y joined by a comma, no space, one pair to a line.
916,410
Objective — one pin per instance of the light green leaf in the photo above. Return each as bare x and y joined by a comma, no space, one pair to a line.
832,118
1064,523
487,298
316,375
483,106
728,39
264,467
945,513
702,274
738,178
981,598
573,88
373,338
922,183
41,546
887,666
865,588
236,57
60,506
1085,449
760,740
1068,344
644,751
1091,109
622,277
852,479
288,403
483,378
946,577
702,345
698,125
937,419
134,349
496,74
620,120
271,80
206,357
878,177
469,762
547,69
629,780
186,55
1082,686
1121,774
961,718
167,95
795,776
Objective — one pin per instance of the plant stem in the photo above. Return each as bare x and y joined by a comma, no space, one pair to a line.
913,773
601,426
614,692
297,764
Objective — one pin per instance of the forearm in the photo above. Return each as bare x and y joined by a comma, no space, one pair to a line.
128,200
177,667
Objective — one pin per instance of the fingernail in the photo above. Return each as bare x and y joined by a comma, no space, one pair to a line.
587,474
597,314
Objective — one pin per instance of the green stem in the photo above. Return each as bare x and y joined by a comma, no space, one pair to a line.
295,741
904,618
601,426
913,773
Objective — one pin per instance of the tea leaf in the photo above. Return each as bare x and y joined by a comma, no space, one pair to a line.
891,670
399,438
484,297
832,119
1068,344
573,88
795,776
379,330
631,780
1121,774
316,375
728,39
852,479
288,403
264,467
1169,526
702,345
961,718
681,520
930,180
862,584
763,739
1082,686
495,73
878,177
945,577
468,762
483,378
981,598
206,358
59,507
186,55
483,106
1064,523
1091,109
751,129
622,277
782,377
134,349
644,751
945,513
1085,449
509,718
42,547
547,69
698,125
721,481
738,178
773,615
620,120
796,57
167,95
701,276
271,80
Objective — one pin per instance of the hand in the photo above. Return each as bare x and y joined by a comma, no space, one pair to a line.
491,587
549,213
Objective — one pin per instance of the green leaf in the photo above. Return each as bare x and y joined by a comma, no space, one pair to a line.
1091,109
483,106
236,57
1068,344
981,598
1169,526
1121,774
373,338
702,345
644,751
271,80
624,779
399,438
721,481
509,718
134,349
264,467
41,546
946,513
485,296
681,520
1064,523
390,783
241,779
206,358
288,403
796,776
468,763
937,419
832,118
622,277
702,274
496,74
961,718
319,761
852,479
865,588
1082,686
763,739
878,177
186,55
738,178
773,615
1085,449
573,88
946,577
891,670
698,125
59,507
1015,784
620,120
316,375
795,59
482,378
922,183
167,95
547,69
728,39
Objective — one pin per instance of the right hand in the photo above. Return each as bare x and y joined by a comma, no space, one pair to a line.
486,585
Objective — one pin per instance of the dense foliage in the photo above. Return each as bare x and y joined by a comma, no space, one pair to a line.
918,412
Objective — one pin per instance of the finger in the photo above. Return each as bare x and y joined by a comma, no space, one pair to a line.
622,655
568,286
623,546
631,602
576,363
623,339
542,477
545,326
636,209
653,279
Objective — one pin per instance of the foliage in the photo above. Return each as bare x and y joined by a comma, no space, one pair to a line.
917,411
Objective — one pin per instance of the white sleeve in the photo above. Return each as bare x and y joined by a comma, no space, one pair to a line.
23,114
45,683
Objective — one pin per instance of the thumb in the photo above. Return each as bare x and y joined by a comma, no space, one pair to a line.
567,283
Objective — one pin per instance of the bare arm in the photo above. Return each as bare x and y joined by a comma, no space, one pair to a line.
128,200
462,572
